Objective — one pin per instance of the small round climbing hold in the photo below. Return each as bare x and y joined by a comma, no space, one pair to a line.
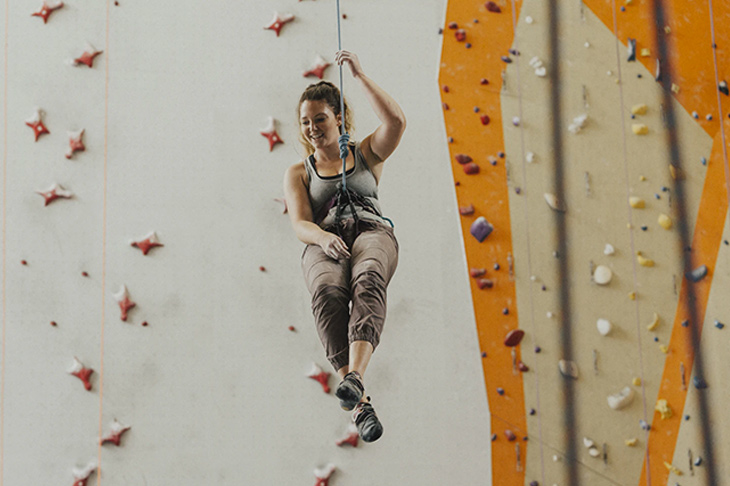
719,324
23,262
262,269
445,106
698,461
484,355
501,155
538,349
144,324
685,323
292,328
500,390
686,417
476,109
623,9
484,119
54,323
505,311
695,115
708,117
451,139
699,383
703,160
460,35
638,75
445,89
494,437
468,45
453,25
644,228
510,435
484,81
533,411
496,266
84,274
534,483
602,275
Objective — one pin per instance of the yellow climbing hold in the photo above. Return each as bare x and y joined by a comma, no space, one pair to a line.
675,88
672,469
654,322
639,129
642,178
645,52
639,109
637,202
631,442
665,221
636,382
643,261
664,348
667,29
632,295
663,408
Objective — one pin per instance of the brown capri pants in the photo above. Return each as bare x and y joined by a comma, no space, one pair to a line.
362,279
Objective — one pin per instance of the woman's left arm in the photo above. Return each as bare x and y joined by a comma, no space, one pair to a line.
383,141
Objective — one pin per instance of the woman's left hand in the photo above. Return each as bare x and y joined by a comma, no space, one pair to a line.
351,59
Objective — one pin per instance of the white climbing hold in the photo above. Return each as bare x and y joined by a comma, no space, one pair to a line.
588,443
530,157
609,250
665,221
541,72
587,44
604,326
550,315
555,203
529,20
622,399
631,442
578,123
568,368
594,452
602,275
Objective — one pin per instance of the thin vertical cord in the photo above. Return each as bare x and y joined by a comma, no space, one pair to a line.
720,115
342,101
5,192
685,241
566,336
631,232
527,237
103,243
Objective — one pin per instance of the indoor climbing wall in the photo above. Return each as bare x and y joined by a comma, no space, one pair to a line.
636,394
156,328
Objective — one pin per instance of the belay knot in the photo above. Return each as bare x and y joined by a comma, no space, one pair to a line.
344,140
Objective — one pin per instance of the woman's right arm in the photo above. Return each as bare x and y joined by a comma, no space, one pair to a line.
300,215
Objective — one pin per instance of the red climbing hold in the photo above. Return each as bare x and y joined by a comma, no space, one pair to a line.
514,337
125,303
46,10
75,143
36,123
522,367
270,133
323,475
87,57
510,435
484,81
53,193
460,35
471,168
485,283
82,373
317,69
463,159
485,119
23,262
278,22
150,241
453,25
320,376
477,272
115,436
82,475
466,210
493,7
351,438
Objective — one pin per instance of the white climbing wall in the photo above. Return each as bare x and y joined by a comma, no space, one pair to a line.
214,387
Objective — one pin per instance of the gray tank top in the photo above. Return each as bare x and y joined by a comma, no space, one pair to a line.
323,191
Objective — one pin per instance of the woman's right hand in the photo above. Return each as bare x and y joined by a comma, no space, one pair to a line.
333,246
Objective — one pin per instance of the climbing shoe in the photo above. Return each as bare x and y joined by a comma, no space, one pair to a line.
350,390
369,427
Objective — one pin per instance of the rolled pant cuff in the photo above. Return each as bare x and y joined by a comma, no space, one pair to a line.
340,359
369,335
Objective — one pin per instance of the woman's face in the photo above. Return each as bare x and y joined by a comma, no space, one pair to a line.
319,124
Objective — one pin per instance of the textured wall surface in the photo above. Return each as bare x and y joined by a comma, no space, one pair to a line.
214,387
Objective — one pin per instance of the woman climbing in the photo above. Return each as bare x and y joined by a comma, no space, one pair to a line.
351,251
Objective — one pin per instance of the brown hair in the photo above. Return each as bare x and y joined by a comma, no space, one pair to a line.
330,94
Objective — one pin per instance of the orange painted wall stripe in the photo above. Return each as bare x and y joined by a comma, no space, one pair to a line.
691,47
461,70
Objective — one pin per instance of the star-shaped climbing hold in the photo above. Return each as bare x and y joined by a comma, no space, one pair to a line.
270,133
82,475
53,193
36,123
122,298
317,69
323,474
87,57
115,436
81,372
278,22
147,243
46,10
75,144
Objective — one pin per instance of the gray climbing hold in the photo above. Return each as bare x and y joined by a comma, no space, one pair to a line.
631,50
698,273
481,228
699,383
568,368
698,461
